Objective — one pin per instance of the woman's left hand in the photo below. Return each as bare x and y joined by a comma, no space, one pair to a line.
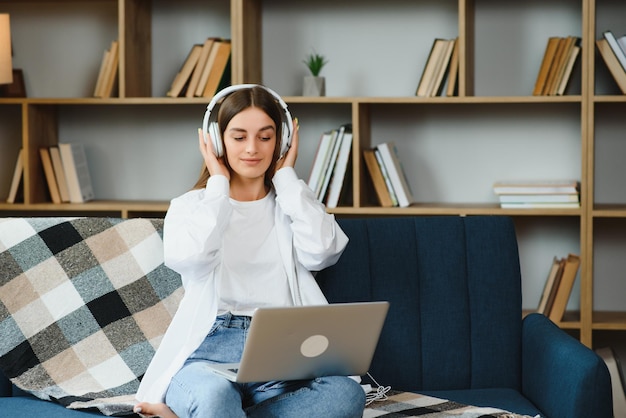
289,159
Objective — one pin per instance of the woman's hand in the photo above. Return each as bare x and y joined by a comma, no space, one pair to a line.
289,159
214,164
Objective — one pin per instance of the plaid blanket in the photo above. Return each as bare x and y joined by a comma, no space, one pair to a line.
84,302
407,404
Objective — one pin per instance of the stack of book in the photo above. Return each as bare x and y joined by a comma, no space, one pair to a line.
613,52
67,173
556,67
388,176
558,287
538,195
442,64
330,173
205,71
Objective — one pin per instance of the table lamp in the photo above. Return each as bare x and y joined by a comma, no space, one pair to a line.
6,67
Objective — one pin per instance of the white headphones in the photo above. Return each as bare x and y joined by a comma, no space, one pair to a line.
210,126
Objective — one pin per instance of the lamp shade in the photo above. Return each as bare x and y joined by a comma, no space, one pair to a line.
6,67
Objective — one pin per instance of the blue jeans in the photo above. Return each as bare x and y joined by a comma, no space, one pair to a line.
195,391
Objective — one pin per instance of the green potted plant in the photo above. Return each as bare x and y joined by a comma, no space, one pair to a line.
314,84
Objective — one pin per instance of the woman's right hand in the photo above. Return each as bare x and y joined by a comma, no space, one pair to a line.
214,164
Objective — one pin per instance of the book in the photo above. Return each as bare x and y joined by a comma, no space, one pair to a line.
77,172
59,173
111,71
206,71
339,173
338,137
622,42
383,169
48,171
616,48
375,173
569,43
546,64
198,70
321,156
182,77
218,69
564,290
540,205
97,91
391,159
453,76
536,187
550,286
617,383
619,75
18,174
554,67
567,72
108,71
441,70
539,198
428,75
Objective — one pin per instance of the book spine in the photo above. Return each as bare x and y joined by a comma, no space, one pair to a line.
383,169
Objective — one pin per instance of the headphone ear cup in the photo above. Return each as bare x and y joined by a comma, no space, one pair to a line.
285,142
216,138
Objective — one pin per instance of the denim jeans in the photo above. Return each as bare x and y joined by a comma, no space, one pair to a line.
195,391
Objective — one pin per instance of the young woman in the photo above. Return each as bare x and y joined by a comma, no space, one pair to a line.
246,236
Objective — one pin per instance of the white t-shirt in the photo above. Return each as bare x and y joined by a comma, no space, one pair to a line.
253,274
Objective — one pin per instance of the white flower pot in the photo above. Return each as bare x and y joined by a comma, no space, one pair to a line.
314,86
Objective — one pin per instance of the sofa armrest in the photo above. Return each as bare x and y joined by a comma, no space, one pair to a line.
560,375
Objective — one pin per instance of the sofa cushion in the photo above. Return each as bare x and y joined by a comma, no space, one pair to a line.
454,289
83,305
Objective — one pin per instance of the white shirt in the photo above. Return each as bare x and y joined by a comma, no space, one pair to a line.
253,275
309,239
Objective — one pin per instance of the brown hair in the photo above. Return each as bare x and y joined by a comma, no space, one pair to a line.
236,102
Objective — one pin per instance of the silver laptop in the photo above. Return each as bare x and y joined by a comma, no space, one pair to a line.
304,342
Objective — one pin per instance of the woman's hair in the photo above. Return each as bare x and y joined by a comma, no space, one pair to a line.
236,102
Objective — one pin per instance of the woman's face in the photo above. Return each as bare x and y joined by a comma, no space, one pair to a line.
250,140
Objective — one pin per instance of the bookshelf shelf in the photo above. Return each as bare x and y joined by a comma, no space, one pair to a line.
454,147
460,209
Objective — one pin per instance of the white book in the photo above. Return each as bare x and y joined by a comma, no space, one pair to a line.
536,187
77,172
339,174
540,205
617,49
622,43
321,156
328,171
397,176
383,169
538,198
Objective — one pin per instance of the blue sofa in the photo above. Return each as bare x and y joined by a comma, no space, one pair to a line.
454,328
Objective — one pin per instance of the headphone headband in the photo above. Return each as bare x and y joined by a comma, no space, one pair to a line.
211,127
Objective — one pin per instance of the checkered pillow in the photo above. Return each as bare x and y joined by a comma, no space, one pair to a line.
84,303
